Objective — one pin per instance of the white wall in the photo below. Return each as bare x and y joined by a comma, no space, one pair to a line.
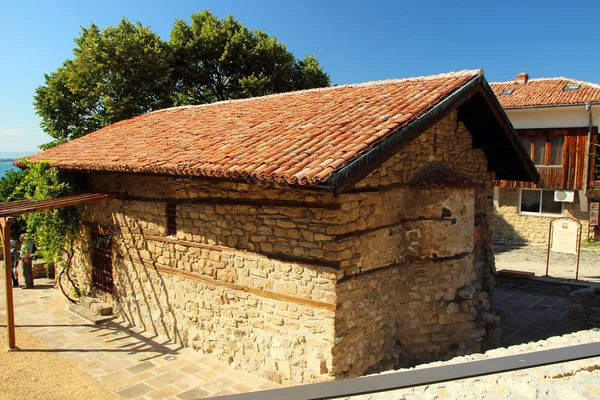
553,117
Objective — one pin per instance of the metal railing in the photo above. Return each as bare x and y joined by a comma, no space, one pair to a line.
424,376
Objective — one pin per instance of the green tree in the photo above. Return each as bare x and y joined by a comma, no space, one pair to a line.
53,231
49,229
8,185
127,70
220,59
115,74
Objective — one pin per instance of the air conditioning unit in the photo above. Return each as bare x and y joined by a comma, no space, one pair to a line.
564,195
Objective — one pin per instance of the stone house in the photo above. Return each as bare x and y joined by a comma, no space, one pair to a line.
305,236
557,121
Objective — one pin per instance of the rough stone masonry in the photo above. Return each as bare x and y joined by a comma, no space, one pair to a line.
300,285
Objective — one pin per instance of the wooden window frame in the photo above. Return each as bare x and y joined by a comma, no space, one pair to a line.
101,260
171,209
538,214
547,150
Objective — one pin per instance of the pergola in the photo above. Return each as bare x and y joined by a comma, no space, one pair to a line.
14,208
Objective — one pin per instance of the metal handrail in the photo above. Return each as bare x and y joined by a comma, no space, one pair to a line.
424,376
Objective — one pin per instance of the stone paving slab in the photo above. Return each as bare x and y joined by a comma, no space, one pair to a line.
126,360
528,316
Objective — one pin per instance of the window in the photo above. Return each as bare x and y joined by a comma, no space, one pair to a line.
101,253
538,201
544,151
506,92
171,219
572,86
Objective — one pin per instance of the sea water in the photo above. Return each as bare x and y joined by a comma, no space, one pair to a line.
6,166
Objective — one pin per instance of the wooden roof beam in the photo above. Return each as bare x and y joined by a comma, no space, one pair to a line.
26,206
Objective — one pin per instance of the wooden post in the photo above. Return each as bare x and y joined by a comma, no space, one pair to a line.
5,224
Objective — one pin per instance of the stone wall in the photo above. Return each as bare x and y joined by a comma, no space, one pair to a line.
300,285
511,227
449,143
419,282
584,306
231,299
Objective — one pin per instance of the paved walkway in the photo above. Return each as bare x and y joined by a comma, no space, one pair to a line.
137,365
128,361
530,316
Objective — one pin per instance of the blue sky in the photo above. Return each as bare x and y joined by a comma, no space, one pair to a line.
355,41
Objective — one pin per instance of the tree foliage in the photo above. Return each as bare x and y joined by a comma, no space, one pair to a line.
115,74
219,59
53,231
123,71
8,184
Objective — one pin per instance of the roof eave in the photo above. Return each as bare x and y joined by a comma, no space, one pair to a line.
349,175
510,132
593,103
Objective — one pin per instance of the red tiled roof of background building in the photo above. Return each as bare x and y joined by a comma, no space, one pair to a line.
299,137
544,92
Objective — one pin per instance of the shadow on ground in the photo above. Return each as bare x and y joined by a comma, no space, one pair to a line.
111,332
531,316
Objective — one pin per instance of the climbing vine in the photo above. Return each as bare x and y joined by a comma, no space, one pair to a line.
52,231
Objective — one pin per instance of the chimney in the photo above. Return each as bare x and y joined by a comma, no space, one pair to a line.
522,78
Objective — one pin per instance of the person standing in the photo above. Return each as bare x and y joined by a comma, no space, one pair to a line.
14,263
26,251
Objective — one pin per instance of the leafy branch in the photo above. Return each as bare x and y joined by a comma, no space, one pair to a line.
53,231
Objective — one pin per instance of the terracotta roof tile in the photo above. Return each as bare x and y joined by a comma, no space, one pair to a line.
545,92
298,138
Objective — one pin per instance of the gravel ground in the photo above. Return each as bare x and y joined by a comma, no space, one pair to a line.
533,259
36,372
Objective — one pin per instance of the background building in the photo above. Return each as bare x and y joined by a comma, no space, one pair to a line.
557,120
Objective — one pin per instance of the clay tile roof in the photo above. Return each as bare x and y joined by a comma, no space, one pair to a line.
543,92
440,176
298,137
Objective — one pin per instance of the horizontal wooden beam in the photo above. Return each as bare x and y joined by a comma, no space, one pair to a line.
394,224
239,202
379,189
20,207
304,261
405,263
194,276
211,179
